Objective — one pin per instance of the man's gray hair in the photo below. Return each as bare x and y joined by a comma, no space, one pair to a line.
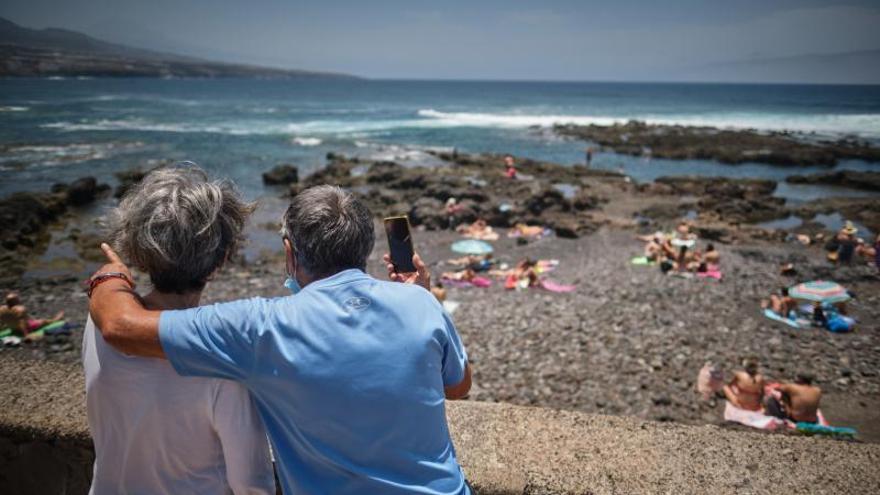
178,226
330,230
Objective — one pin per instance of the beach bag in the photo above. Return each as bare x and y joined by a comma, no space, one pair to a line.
840,324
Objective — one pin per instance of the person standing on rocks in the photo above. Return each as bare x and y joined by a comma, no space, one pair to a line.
509,167
589,156
155,431
350,374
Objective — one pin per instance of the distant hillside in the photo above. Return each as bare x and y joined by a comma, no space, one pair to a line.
26,52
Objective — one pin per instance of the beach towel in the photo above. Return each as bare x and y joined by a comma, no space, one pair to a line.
545,266
642,261
794,323
556,287
754,419
711,273
825,430
480,282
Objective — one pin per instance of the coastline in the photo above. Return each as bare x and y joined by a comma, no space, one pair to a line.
628,341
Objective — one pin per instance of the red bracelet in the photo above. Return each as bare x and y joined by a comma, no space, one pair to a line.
100,278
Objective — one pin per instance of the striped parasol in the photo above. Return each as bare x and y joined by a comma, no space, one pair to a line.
822,291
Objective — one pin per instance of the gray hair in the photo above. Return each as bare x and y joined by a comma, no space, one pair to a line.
330,230
178,226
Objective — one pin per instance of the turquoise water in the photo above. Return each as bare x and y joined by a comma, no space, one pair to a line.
57,130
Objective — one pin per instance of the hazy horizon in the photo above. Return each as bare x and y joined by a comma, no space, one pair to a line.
790,41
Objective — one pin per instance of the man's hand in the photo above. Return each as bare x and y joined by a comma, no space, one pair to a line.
120,315
422,276
114,263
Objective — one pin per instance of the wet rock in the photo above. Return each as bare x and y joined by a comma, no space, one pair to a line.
869,181
82,191
723,145
281,175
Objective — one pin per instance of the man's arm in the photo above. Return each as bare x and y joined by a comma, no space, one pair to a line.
461,390
120,316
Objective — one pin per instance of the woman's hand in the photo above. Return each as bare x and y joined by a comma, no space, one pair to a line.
422,276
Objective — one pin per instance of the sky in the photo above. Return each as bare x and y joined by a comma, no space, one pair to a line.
623,40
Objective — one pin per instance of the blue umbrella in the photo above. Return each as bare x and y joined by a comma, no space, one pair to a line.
472,246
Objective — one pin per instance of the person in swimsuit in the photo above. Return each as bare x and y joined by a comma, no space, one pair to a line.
800,401
746,389
782,304
711,256
509,168
14,315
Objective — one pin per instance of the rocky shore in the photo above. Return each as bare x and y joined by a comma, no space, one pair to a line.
869,181
628,341
724,145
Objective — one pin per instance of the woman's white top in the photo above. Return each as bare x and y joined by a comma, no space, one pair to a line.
158,432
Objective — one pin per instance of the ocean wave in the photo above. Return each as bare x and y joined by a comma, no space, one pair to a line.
146,126
49,155
866,125
307,141
14,109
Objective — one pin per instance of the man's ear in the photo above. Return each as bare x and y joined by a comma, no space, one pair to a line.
289,257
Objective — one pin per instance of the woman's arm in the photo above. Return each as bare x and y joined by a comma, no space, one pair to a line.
119,314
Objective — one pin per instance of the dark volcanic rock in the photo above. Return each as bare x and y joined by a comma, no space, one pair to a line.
735,200
128,179
848,178
724,145
281,175
82,191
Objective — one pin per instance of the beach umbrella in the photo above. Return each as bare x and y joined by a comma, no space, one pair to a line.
472,246
821,291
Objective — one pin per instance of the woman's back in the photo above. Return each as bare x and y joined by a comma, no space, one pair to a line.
157,432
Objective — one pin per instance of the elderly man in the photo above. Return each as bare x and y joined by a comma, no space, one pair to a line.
349,376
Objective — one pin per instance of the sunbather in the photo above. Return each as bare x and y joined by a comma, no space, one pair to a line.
711,256
466,275
523,230
478,230
654,249
14,315
746,389
781,304
799,403
509,167
439,291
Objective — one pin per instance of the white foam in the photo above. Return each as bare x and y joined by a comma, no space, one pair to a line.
52,155
307,141
14,109
866,125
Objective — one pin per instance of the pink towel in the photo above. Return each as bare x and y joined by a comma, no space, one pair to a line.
716,274
755,419
556,287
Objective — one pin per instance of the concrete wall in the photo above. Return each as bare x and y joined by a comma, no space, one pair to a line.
45,448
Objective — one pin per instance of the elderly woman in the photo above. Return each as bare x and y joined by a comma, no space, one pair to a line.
155,431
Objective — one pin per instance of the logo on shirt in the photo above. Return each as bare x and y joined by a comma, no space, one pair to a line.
357,303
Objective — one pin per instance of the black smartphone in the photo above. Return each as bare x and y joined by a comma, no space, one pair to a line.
400,243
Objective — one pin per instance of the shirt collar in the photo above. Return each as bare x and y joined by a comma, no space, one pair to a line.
343,277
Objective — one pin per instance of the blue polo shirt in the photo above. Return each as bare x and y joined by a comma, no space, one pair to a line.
348,378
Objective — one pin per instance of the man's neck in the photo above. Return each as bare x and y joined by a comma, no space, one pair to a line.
170,300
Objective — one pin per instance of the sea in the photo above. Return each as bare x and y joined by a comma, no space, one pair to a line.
58,129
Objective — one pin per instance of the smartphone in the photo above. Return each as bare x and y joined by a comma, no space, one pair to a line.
400,243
